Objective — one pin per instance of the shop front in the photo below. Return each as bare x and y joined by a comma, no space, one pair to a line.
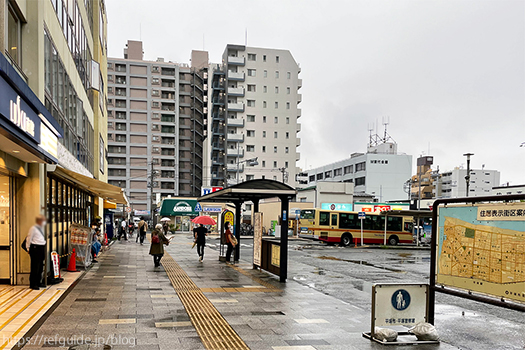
180,211
28,144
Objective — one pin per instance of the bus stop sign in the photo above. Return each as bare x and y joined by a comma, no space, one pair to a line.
361,215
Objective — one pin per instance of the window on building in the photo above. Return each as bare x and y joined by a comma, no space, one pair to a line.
14,35
288,75
286,150
276,89
360,181
265,73
276,59
276,105
360,166
155,92
349,169
264,134
250,133
287,135
264,104
250,148
248,178
250,103
264,149
275,164
276,74
264,119
252,57
320,176
251,88
286,164
288,90
264,58
276,120
155,81
328,174
287,105
275,134
338,172
264,164
274,149
120,138
250,118
265,89
251,72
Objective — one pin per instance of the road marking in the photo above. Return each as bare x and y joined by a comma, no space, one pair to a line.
310,320
172,324
118,321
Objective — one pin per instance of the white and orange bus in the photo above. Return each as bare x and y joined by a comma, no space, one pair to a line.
344,228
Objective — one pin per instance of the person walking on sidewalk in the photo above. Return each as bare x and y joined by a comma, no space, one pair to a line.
36,247
157,244
200,238
143,227
231,241
122,230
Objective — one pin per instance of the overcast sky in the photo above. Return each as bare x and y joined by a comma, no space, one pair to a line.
450,75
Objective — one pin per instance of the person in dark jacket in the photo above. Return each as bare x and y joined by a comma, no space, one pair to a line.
158,240
200,238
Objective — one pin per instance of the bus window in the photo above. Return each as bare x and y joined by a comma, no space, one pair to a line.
324,218
394,224
308,214
349,221
374,222
334,219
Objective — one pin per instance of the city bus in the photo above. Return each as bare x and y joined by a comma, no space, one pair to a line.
344,228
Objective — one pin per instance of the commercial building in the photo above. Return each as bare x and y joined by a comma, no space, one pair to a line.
329,195
380,172
453,184
52,124
423,184
156,126
254,109
508,189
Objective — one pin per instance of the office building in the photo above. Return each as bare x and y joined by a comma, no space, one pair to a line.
254,109
52,125
156,125
453,184
381,172
508,189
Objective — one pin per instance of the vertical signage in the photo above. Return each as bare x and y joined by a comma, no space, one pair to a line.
257,238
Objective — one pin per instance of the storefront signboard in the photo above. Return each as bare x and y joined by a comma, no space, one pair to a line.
56,264
337,206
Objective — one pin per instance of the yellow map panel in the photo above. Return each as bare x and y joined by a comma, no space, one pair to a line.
482,258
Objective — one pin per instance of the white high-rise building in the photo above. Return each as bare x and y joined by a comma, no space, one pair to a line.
453,184
254,115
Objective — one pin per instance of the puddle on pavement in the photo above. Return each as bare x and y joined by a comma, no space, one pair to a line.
359,262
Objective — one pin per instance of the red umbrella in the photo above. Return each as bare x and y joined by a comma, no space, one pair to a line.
205,220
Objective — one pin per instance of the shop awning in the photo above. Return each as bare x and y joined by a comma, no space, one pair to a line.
101,189
110,205
178,206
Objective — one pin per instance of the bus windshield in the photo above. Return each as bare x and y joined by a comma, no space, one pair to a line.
308,214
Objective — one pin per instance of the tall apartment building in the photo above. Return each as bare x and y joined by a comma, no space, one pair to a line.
380,172
423,183
255,114
156,121
453,184
52,124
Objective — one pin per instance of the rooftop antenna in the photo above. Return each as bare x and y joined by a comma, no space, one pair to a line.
370,129
386,121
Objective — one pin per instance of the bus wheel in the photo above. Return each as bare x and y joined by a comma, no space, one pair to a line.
393,240
346,239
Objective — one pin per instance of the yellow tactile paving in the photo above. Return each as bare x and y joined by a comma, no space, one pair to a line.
214,331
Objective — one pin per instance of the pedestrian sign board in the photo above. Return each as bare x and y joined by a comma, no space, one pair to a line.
399,304
198,208
361,215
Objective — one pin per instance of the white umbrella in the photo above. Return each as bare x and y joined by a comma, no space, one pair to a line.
165,219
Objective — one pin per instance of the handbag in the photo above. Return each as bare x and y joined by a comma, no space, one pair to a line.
155,239
233,240
24,245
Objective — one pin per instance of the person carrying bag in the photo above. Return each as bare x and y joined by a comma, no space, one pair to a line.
158,240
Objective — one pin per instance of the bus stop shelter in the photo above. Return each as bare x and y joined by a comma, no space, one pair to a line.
255,191
416,214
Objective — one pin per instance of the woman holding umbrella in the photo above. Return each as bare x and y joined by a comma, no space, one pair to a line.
201,232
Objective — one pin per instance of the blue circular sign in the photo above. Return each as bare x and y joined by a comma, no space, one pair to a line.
400,299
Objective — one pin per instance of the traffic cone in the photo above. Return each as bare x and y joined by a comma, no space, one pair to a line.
72,267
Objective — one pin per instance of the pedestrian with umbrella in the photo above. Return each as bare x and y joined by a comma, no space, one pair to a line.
201,232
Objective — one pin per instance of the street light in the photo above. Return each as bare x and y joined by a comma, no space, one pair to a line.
467,178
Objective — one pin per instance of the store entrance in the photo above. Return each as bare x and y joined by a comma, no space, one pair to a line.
5,229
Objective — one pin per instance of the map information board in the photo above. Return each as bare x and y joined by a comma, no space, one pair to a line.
481,248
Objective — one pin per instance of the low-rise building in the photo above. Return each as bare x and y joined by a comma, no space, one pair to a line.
333,195
453,183
506,190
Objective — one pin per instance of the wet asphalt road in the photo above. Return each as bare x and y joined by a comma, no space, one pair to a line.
348,274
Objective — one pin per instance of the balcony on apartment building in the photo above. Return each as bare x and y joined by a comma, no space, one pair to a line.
236,107
236,75
298,142
239,61
297,156
234,168
235,152
218,116
236,91
299,98
236,122
235,137
218,101
298,127
298,113
299,83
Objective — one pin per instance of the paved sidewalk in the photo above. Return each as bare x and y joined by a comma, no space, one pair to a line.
124,302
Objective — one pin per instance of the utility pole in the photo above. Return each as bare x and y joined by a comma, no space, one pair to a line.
467,178
283,171
153,205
